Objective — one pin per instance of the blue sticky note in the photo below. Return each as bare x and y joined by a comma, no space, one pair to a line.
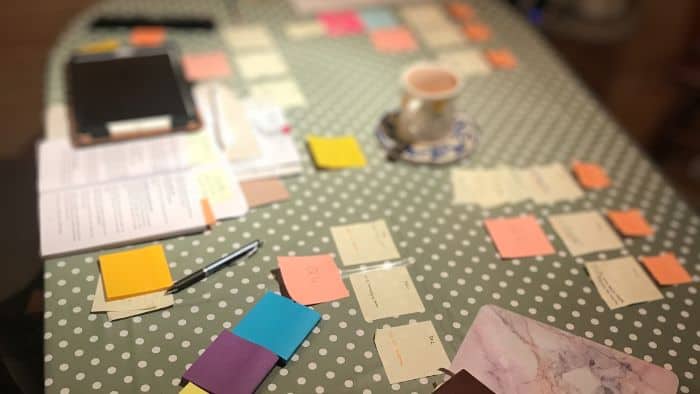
277,324
377,18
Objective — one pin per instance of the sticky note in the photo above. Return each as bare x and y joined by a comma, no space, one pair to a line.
378,18
386,293
424,16
398,39
518,237
341,23
264,191
265,64
591,175
460,11
312,279
277,324
621,282
335,152
231,364
442,36
630,223
552,183
284,93
467,62
365,242
305,30
147,36
666,269
477,32
411,351
191,388
107,45
134,272
463,382
501,58
585,232
146,301
245,37
204,66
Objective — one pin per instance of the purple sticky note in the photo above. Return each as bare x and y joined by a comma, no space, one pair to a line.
231,365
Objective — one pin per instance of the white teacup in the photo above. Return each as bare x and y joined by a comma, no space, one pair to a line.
427,107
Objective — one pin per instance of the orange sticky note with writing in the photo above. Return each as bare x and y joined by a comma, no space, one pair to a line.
590,175
393,39
630,223
666,269
477,32
312,279
134,272
205,66
518,237
460,11
501,58
147,36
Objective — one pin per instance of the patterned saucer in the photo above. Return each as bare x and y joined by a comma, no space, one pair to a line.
456,146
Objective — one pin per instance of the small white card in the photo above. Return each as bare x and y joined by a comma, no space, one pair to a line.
257,65
386,293
621,282
585,232
367,242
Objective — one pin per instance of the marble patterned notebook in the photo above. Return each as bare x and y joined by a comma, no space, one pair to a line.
510,353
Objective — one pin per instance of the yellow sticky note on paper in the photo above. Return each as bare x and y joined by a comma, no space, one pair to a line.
107,45
190,388
215,184
336,152
135,272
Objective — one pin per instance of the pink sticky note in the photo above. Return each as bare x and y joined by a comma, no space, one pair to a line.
208,65
312,279
518,237
341,23
395,39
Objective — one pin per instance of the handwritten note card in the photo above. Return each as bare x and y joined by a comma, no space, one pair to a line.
386,293
312,279
367,242
261,64
585,232
410,352
245,37
518,237
621,282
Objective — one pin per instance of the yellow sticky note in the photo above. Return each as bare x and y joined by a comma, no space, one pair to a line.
190,388
135,272
107,45
336,152
215,184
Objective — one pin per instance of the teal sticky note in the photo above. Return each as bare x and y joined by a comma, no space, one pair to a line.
377,18
277,324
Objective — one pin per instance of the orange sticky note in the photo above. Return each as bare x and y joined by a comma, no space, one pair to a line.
134,272
460,11
312,279
264,191
477,31
147,36
590,175
630,223
208,65
209,217
666,269
501,58
394,39
518,237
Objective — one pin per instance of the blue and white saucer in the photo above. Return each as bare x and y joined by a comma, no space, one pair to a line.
454,147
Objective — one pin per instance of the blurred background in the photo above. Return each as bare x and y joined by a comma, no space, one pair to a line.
641,58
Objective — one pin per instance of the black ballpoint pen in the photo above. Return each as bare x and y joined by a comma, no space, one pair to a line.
189,280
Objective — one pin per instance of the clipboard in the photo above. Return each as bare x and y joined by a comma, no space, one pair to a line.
128,93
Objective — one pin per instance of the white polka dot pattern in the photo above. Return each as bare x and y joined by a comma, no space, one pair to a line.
538,113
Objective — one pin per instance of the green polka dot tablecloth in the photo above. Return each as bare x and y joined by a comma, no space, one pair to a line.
537,113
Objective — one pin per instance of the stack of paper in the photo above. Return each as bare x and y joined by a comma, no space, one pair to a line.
132,283
490,188
132,191
252,133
